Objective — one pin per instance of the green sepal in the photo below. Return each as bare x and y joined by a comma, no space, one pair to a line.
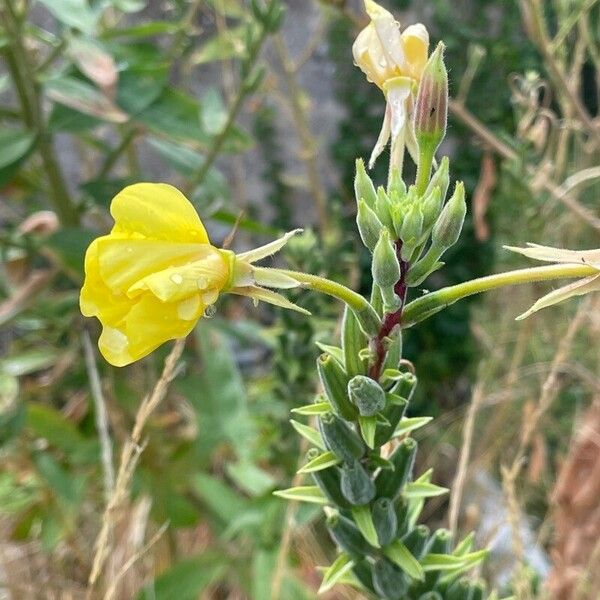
385,520
309,433
303,493
340,438
364,521
335,573
409,424
316,408
398,553
356,484
368,429
391,483
320,462
335,382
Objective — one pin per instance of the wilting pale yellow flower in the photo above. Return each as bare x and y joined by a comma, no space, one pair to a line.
394,61
580,287
383,53
154,275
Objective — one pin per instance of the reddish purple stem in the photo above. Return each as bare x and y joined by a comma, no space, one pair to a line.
390,320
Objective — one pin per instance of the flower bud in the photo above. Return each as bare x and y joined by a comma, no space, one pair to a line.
383,207
363,186
431,108
447,228
369,225
385,269
389,580
329,481
431,208
367,394
385,520
335,382
340,438
348,537
357,487
440,179
390,483
411,230
396,185
416,540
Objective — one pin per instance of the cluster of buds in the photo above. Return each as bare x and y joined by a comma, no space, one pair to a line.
362,459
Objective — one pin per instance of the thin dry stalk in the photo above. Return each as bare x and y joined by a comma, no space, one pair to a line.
465,453
288,528
129,456
308,152
548,393
106,454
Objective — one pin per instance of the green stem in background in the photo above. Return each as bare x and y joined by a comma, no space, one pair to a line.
245,88
423,307
23,77
362,308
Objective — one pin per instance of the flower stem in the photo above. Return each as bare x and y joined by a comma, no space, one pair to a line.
362,308
423,307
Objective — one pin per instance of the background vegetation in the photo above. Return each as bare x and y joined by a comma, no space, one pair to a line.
258,114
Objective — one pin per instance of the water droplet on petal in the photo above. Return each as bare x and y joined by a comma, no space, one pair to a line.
176,278
210,311
202,283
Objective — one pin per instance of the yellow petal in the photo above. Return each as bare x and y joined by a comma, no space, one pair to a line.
560,255
148,324
157,211
124,262
370,58
210,272
415,39
96,298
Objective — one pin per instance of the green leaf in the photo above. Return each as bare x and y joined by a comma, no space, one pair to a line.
398,553
368,428
364,521
17,496
183,159
303,493
102,191
309,433
67,487
15,147
214,112
30,361
323,461
263,565
408,424
342,565
148,29
185,580
219,497
85,98
139,87
423,490
252,479
176,115
68,245
51,425
317,408
73,13
223,46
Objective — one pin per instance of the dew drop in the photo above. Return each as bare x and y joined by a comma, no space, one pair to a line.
210,311
202,283
176,278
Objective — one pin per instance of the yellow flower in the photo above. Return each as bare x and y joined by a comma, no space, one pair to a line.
152,277
562,256
394,61
383,53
